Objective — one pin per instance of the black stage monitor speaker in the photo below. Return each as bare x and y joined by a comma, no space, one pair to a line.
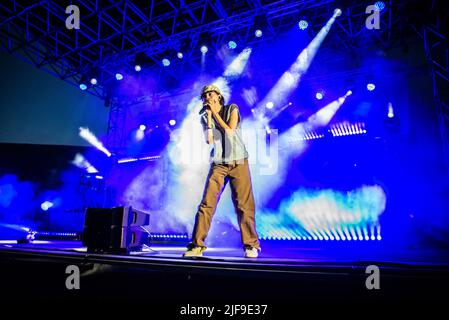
115,230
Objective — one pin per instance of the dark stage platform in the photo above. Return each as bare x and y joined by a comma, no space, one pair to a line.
286,273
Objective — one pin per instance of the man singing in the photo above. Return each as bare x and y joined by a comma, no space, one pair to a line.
229,163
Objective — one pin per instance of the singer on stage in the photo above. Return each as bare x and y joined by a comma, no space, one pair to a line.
229,163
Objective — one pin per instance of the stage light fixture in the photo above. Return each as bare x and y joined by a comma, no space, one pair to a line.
119,76
379,5
46,205
303,24
232,44
165,62
83,83
204,49
141,60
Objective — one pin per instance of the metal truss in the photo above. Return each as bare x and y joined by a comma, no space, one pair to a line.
113,34
437,53
117,119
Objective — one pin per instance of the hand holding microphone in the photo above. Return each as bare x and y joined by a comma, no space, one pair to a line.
205,108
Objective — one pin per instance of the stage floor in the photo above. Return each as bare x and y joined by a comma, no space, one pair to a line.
287,272
273,252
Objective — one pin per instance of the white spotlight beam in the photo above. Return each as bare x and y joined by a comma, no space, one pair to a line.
87,135
139,135
317,120
325,115
236,67
290,79
82,163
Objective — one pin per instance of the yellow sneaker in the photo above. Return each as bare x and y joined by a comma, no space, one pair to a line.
194,252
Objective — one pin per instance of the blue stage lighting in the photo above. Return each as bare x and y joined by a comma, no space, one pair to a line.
203,49
258,33
119,76
180,55
303,24
165,62
137,67
319,95
142,127
83,86
337,12
172,122
379,5
232,44
93,81
370,86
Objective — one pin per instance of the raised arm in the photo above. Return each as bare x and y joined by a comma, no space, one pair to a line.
209,132
230,126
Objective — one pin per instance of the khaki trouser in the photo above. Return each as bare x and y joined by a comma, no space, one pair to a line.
239,178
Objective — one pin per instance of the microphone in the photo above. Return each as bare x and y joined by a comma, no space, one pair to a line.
204,108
